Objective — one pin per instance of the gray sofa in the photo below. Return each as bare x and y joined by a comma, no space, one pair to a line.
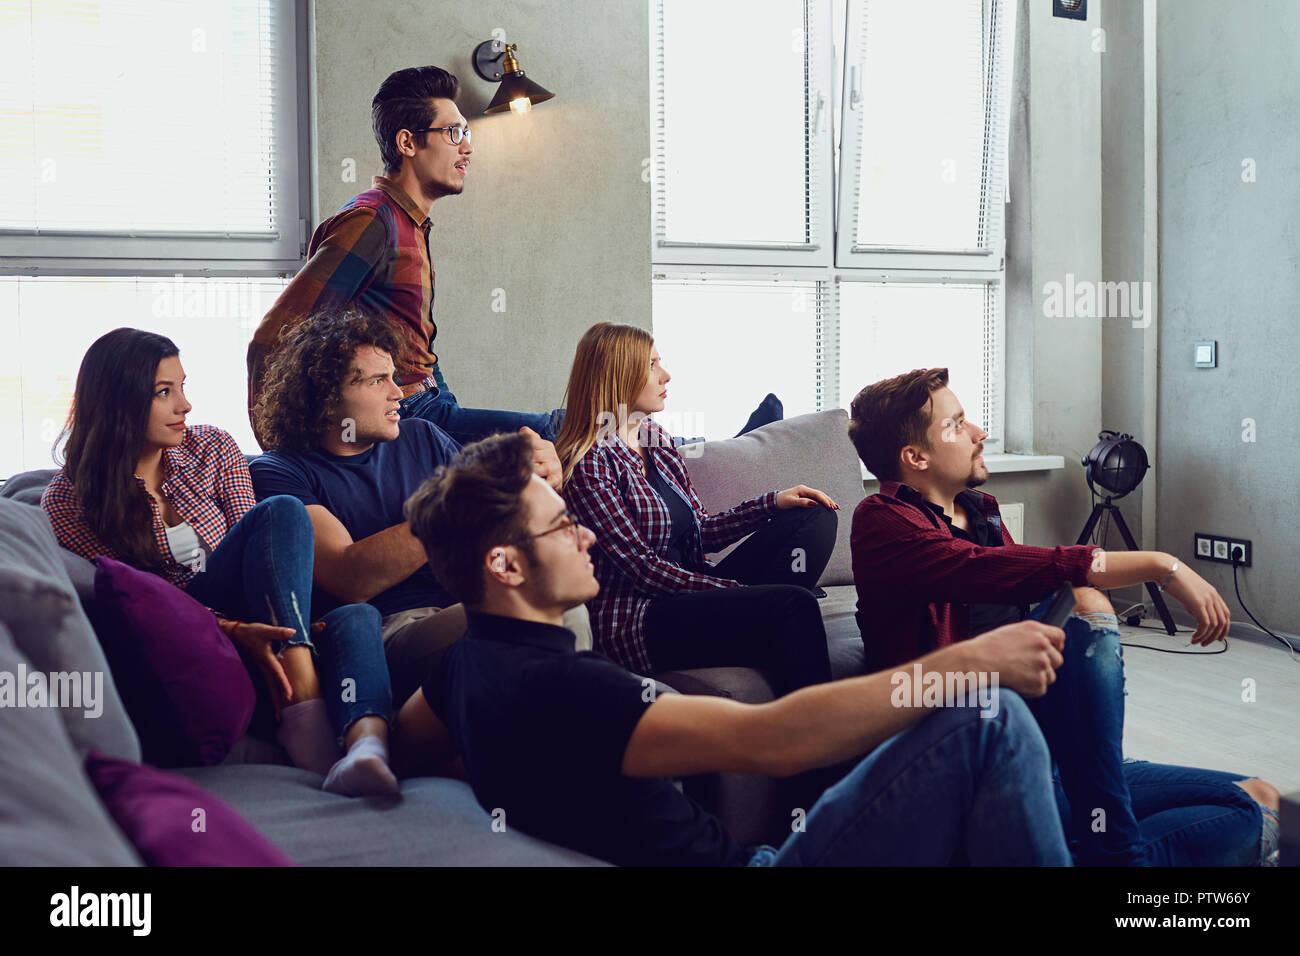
51,816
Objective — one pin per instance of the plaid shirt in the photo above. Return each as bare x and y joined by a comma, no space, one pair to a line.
915,579
207,480
374,252
610,493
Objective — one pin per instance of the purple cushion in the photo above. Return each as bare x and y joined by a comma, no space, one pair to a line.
173,822
183,683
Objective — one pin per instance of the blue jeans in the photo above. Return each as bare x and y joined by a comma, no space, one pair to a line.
957,787
1190,817
465,425
262,571
1118,813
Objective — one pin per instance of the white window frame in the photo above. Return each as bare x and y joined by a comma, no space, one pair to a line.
132,253
999,16
838,261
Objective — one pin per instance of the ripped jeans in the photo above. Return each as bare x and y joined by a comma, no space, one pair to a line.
262,571
1131,813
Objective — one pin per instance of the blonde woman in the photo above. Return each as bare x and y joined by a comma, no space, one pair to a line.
662,606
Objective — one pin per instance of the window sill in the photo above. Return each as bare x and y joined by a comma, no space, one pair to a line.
1005,464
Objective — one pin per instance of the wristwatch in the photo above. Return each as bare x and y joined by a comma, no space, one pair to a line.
1171,575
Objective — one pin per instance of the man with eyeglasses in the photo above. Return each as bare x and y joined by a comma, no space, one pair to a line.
374,254
339,444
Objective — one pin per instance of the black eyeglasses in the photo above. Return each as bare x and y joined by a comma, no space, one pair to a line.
571,524
454,133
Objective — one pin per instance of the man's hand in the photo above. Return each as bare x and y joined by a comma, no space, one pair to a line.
1024,655
801,496
545,461
1203,602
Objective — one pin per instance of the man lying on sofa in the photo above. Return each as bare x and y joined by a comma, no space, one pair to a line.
570,747
934,565
329,413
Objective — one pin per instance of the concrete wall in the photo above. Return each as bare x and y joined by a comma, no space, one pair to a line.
1229,85
554,212
1053,227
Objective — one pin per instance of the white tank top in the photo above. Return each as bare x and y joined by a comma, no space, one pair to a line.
183,542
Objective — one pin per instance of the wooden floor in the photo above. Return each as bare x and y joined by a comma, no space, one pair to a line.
1189,709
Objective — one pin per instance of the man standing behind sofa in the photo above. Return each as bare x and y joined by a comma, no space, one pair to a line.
338,446
374,252
934,565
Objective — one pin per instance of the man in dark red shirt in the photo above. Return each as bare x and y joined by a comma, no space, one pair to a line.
934,564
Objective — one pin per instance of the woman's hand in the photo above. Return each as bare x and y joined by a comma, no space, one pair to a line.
256,639
801,496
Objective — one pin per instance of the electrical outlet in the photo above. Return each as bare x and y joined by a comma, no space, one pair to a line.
1208,547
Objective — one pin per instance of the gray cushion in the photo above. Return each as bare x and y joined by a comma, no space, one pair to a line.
28,486
436,823
49,813
812,450
49,627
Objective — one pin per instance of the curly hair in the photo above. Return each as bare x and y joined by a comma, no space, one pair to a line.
304,378
471,506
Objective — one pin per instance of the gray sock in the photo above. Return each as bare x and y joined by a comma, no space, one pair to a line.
363,772
306,734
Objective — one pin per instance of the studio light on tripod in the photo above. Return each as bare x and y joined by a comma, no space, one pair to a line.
1117,464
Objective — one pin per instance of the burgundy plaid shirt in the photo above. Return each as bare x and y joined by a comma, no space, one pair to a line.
207,480
915,579
610,494
374,252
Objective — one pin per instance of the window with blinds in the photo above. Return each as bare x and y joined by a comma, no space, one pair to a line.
211,320
728,340
907,273
149,130
926,94
741,117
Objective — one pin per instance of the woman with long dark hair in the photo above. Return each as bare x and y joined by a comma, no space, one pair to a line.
141,486
662,606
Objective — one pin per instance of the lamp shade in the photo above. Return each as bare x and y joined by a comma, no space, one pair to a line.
497,63
517,86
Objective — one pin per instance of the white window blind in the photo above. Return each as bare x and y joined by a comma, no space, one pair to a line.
149,129
211,320
728,340
889,328
923,167
741,128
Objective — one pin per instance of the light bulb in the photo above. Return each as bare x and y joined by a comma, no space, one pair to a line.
521,105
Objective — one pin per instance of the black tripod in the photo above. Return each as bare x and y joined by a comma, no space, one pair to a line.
1105,506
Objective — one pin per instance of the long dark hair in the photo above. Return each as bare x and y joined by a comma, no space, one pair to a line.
104,435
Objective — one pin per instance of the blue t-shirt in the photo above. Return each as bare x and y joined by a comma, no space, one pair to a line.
367,493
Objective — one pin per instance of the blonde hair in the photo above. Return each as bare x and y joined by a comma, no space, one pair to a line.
610,368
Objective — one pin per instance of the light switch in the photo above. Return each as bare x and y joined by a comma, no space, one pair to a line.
1205,353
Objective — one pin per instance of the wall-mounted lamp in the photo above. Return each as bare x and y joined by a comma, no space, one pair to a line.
496,63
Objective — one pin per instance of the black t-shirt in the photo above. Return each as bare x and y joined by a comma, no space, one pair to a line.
542,732
681,520
980,531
